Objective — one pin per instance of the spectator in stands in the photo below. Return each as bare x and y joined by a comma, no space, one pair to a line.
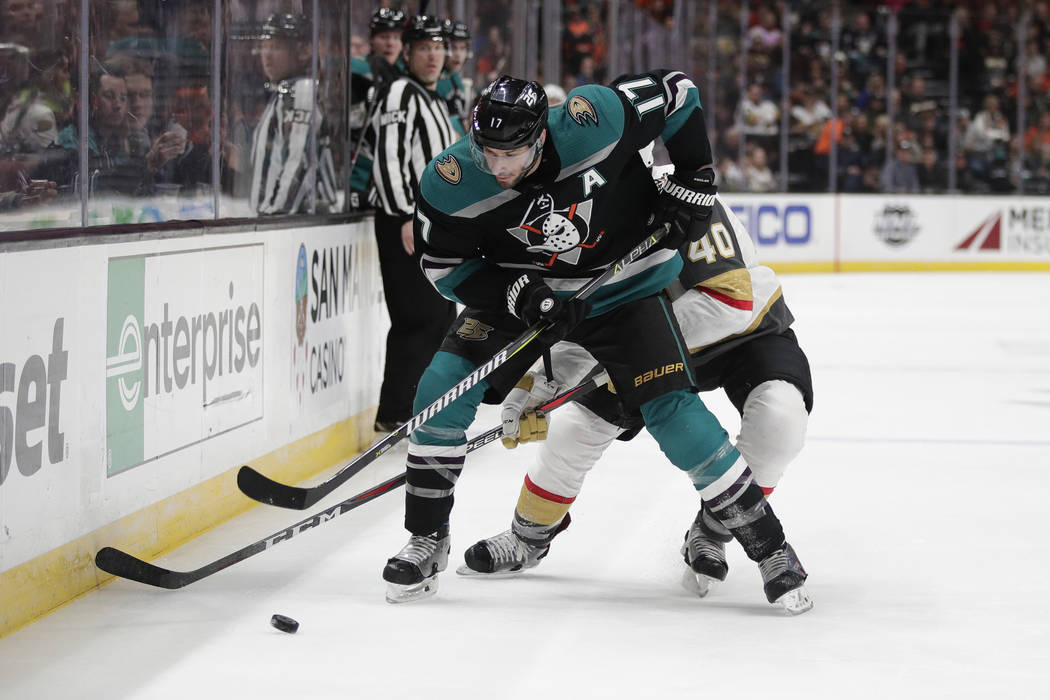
577,39
758,117
899,175
19,22
809,115
28,123
933,176
116,160
494,58
987,140
852,162
765,36
864,47
757,173
162,143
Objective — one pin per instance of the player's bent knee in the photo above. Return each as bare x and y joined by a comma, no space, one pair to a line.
772,429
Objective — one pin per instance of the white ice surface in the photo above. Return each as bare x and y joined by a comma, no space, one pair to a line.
919,507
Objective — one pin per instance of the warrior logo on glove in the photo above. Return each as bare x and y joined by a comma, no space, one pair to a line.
559,233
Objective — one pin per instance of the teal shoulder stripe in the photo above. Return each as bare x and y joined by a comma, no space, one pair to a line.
678,117
447,284
452,184
586,127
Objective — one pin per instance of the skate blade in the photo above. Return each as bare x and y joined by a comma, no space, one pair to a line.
795,602
464,570
398,593
699,584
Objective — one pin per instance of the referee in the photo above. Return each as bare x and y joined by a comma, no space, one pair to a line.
412,126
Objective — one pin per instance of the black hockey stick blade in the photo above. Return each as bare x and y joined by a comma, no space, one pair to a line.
265,490
119,563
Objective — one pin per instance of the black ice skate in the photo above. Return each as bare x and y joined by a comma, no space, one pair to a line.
505,554
704,552
782,579
412,573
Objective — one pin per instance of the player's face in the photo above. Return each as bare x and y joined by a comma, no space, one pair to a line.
509,167
387,44
457,55
425,61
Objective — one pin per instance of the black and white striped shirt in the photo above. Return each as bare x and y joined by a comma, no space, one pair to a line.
412,126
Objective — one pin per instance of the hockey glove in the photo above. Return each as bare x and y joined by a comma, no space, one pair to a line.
521,422
530,299
686,202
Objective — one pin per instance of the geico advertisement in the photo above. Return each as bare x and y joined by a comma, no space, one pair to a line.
788,228
184,343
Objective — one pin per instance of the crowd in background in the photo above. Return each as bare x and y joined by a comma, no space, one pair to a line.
990,156
151,112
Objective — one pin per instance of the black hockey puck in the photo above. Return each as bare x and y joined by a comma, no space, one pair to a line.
285,623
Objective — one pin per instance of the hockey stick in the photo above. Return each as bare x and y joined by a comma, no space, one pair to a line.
266,490
120,563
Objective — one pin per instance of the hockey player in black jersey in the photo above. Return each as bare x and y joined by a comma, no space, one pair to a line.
513,220
738,328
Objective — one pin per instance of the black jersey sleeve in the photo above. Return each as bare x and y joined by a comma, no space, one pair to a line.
451,259
666,104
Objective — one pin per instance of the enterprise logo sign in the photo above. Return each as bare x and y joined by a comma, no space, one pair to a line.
183,350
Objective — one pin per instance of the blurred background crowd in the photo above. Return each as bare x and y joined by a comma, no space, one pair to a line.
163,98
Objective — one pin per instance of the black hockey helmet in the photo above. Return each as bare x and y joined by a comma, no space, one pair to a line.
284,25
510,113
386,19
422,28
455,31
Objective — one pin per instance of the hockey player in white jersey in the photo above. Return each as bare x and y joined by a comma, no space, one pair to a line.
737,324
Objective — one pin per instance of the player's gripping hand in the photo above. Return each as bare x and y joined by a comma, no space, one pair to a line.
530,299
521,422
686,202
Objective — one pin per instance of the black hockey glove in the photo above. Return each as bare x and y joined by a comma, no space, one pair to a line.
530,299
686,202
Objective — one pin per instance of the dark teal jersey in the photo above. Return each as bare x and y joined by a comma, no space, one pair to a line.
589,202
450,87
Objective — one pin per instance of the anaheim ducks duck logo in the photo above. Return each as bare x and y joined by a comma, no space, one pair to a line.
581,110
561,233
449,170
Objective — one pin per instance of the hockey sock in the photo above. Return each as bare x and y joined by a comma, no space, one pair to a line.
429,488
741,507
439,447
539,513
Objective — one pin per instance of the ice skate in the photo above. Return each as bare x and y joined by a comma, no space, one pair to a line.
783,578
506,554
412,574
704,552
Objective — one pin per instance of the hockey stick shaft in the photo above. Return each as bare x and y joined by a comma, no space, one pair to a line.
120,563
265,490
